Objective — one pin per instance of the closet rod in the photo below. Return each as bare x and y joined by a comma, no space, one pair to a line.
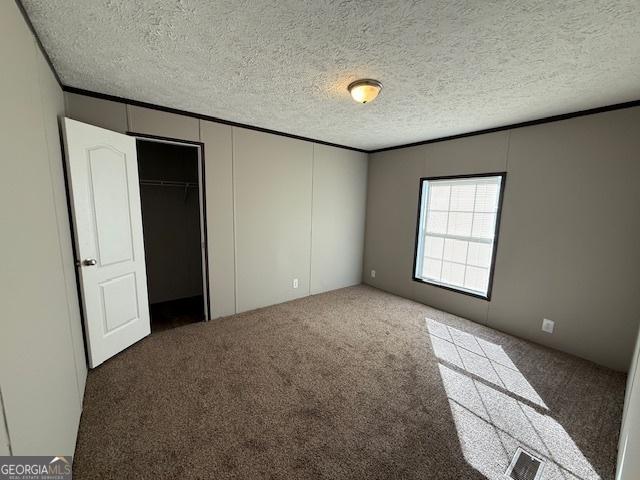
168,183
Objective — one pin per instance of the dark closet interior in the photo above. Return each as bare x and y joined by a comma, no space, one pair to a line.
170,197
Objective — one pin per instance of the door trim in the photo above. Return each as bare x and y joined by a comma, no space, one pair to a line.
203,200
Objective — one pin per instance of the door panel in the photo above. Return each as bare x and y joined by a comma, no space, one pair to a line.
110,203
119,297
103,175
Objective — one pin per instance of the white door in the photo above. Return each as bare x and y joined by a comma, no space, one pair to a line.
105,200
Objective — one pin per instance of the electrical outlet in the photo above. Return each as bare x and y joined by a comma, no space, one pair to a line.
295,283
373,274
547,325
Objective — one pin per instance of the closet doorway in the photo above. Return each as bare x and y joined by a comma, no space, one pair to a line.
172,196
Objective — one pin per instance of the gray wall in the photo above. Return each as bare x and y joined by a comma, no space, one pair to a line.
568,239
218,144
277,208
272,199
42,361
337,243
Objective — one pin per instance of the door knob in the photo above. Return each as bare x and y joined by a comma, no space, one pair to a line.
89,262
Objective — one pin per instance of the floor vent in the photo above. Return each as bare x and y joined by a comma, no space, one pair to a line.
525,466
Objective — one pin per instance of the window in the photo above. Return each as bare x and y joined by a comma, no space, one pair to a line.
458,232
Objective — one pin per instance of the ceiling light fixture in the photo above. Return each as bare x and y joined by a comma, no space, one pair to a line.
364,91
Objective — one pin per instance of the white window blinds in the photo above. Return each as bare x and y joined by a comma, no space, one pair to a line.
457,231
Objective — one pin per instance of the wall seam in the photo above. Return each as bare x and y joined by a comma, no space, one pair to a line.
313,162
233,209
365,224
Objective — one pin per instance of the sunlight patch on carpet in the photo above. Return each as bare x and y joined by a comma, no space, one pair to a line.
496,410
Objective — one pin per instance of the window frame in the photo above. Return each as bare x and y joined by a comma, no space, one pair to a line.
496,233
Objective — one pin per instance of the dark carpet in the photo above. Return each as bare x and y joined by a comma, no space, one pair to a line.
354,383
176,313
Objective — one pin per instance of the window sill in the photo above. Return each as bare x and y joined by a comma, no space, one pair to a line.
453,289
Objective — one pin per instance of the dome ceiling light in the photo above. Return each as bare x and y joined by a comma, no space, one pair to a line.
365,90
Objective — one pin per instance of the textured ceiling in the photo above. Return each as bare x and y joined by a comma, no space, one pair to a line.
448,67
